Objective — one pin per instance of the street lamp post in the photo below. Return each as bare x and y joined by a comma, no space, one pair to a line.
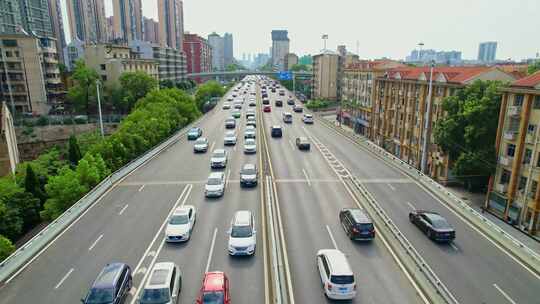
99,109
427,120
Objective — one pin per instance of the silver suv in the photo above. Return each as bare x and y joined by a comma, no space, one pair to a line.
163,286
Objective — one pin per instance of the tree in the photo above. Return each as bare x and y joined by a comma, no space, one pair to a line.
468,130
206,91
135,86
300,68
533,67
32,184
11,222
74,152
166,84
63,191
234,67
85,86
28,207
6,248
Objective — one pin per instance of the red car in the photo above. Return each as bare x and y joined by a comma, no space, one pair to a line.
267,108
215,289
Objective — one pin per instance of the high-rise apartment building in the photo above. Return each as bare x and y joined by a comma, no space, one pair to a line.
151,30
441,57
171,23
326,70
55,12
10,17
198,54
280,48
487,51
228,48
218,51
171,62
290,60
32,17
128,20
87,20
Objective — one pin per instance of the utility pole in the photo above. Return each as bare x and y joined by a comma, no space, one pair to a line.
427,119
99,109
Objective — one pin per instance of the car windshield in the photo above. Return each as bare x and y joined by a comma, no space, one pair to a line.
219,154
342,279
241,231
248,171
194,130
213,297
179,219
100,296
214,181
250,142
200,141
229,134
155,296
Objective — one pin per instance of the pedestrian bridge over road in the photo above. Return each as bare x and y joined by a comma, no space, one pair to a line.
242,73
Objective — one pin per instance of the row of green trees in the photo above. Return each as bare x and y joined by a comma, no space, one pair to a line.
206,91
42,189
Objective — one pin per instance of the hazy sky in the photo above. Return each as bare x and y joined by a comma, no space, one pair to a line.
390,28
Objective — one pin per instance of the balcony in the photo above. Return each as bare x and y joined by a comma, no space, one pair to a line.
529,138
510,135
505,161
501,188
514,110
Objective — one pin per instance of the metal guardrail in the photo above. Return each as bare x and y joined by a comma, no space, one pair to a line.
26,253
424,276
516,248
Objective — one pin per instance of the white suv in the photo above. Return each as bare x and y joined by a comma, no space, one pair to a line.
163,286
181,224
215,186
242,234
336,274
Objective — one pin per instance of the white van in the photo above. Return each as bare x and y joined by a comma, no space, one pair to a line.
336,274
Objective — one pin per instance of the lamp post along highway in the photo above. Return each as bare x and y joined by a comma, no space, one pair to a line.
427,120
99,109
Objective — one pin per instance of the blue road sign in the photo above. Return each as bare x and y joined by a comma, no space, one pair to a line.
285,75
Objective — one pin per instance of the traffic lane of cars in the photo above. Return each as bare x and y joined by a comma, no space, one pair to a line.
313,207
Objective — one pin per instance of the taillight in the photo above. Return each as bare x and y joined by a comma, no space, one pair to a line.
355,230
329,286
354,286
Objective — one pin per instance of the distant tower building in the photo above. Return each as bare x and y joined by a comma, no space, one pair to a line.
171,23
87,21
30,16
280,48
487,52
55,13
218,51
228,49
151,30
127,19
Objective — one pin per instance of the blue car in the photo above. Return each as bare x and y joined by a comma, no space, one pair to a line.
111,286
194,133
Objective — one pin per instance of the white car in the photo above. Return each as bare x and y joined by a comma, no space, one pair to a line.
215,185
230,138
181,224
250,146
226,106
249,133
308,119
201,145
336,275
242,234
163,286
218,159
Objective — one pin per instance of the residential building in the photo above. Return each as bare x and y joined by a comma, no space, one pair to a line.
127,20
198,54
151,30
171,23
487,51
111,34
171,62
57,22
513,193
29,73
440,57
73,52
87,20
36,18
218,51
111,61
290,60
358,90
280,48
400,105
10,17
326,71
228,49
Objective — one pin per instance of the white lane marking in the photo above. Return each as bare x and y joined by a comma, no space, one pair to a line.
185,196
454,247
228,178
504,294
186,188
211,250
123,209
63,279
213,145
332,237
411,206
141,188
138,289
307,177
292,145
95,242
391,187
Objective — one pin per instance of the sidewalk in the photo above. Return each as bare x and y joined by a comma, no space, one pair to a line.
476,201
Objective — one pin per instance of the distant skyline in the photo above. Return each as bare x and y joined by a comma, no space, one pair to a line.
383,29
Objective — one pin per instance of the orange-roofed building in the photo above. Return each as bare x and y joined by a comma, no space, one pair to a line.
400,106
513,193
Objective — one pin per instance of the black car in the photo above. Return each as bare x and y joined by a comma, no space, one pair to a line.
111,286
357,224
277,131
433,225
266,101
290,102
303,143
279,103
248,175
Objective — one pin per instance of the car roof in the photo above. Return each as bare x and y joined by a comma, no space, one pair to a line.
195,129
276,127
161,275
250,140
214,281
242,218
230,133
338,262
303,138
219,151
359,216
109,275
216,175
248,166
181,210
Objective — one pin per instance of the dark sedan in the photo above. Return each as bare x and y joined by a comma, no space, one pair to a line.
303,143
433,225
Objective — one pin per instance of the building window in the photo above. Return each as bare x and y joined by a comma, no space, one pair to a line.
9,42
536,103
511,150
534,186
527,156
505,177
104,77
9,54
522,183
518,100
531,128
103,68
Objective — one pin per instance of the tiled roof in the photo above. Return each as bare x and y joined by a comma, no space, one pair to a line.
368,64
529,81
451,74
